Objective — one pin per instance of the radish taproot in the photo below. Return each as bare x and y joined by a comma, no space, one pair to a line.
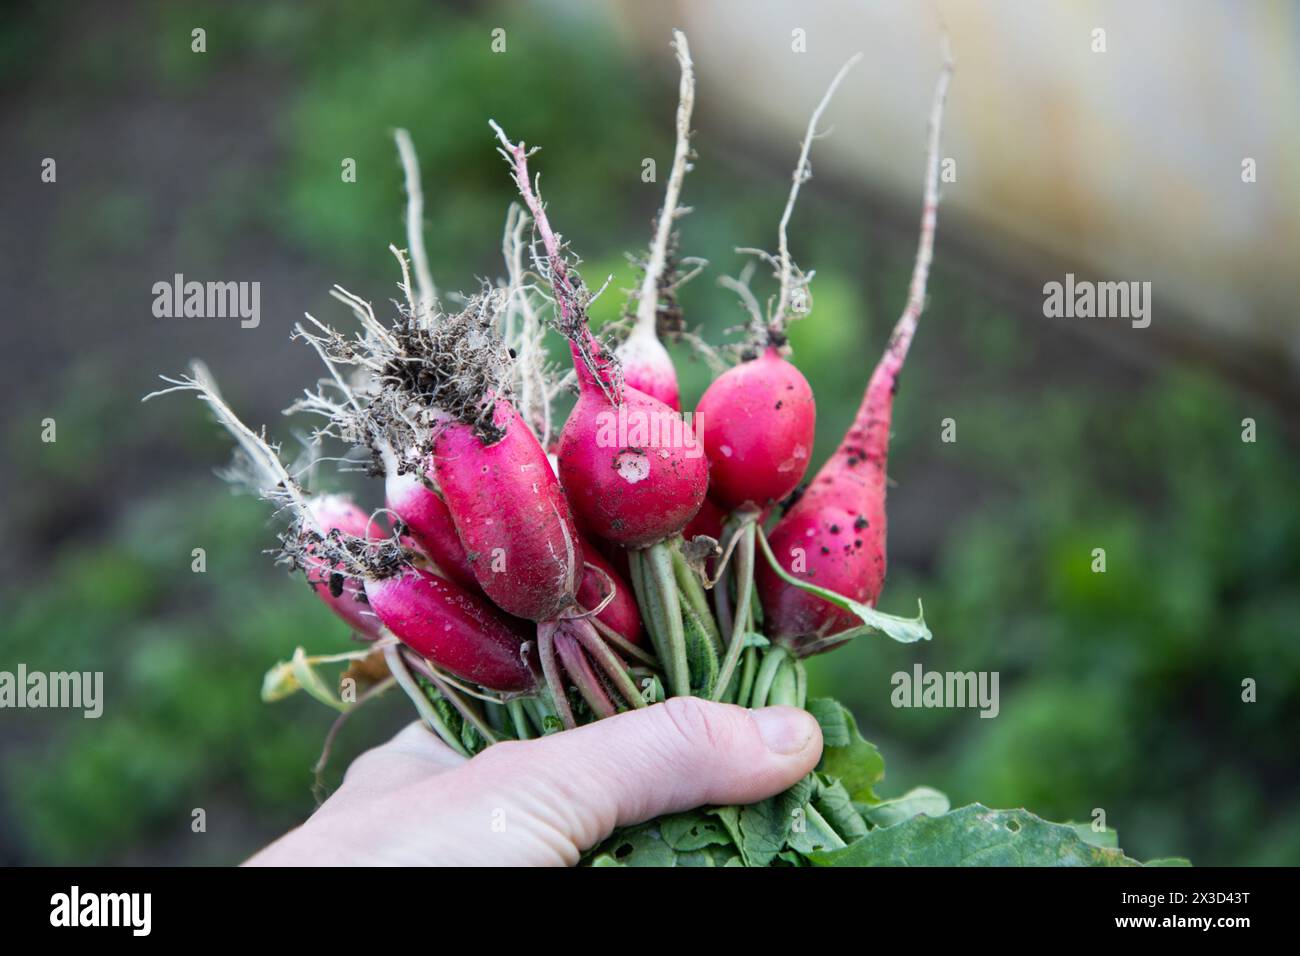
646,364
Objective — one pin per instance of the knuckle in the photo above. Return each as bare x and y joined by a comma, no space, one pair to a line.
500,755
693,721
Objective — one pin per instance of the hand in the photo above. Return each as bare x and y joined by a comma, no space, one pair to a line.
412,801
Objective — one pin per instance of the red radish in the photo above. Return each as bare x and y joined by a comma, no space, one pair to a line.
428,522
759,417
340,593
511,515
456,630
645,361
621,614
634,471
632,493
758,420
834,536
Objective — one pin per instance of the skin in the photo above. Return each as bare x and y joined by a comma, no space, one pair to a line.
544,802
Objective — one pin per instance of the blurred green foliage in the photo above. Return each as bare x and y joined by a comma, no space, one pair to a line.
1119,691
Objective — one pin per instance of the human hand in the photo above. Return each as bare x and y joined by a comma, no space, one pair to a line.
412,801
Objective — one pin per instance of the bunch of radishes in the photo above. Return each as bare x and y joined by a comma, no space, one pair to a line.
516,583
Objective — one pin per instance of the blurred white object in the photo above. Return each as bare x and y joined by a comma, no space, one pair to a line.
1122,165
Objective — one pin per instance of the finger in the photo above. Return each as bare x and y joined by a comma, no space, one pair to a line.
686,752
413,755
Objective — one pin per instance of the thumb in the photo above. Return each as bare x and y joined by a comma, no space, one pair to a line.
578,786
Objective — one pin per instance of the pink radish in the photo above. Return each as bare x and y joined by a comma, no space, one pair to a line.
758,420
427,520
342,594
511,516
457,631
634,493
834,536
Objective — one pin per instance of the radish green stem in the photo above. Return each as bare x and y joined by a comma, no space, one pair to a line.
651,611
663,585
467,712
784,687
551,671
767,672
744,571
523,730
722,604
622,643
584,678
608,661
747,673
688,583
432,719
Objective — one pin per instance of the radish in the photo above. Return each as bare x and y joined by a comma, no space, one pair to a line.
453,628
645,361
342,594
632,493
425,518
511,515
758,420
834,535
634,471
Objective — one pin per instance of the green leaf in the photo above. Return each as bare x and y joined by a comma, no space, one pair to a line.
918,800
905,630
834,803
1168,861
810,834
693,830
1104,837
766,826
288,677
636,846
974,836
310,681
846,757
